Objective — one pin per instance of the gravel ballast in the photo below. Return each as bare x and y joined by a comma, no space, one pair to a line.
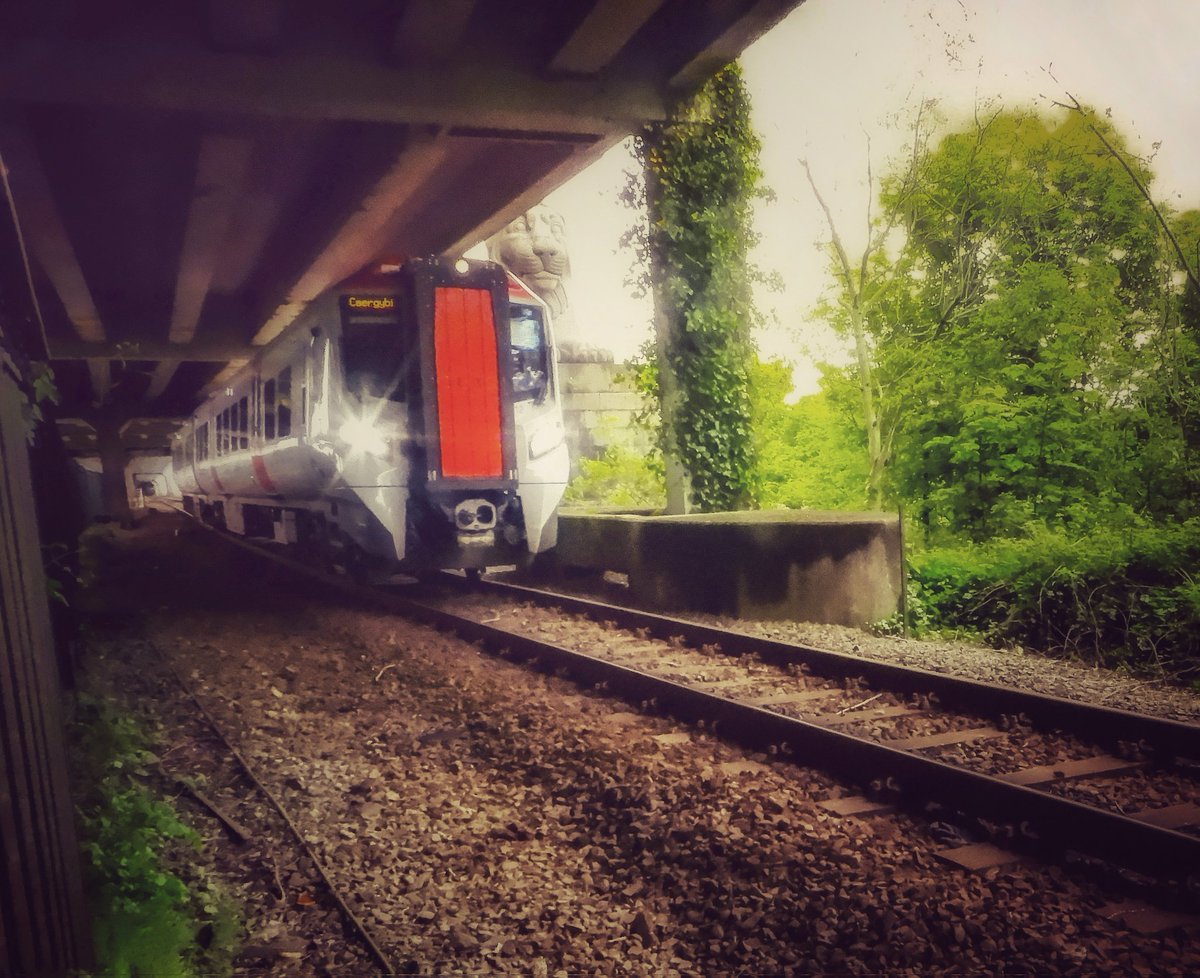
485,819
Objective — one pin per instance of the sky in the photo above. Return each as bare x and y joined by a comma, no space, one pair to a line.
834,82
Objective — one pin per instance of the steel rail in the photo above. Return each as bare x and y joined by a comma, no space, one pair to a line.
348,913
1103,724
1060,825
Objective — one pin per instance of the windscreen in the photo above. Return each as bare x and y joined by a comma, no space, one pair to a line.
375,347
530,366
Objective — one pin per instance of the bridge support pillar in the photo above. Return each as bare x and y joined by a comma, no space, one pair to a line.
113,460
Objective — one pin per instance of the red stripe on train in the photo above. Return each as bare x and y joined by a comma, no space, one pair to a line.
260,473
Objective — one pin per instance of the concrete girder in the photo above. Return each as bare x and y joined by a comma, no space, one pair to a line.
430,31
164,372
139,73
220,178
579,159
245,25
206,172
101,375
199,351
280,163
42,226
607,28
728,45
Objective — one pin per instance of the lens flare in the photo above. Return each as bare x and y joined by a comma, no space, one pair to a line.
362,436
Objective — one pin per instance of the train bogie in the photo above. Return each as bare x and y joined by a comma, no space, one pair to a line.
409,419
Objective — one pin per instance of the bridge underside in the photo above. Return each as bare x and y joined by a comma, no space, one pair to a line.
188,176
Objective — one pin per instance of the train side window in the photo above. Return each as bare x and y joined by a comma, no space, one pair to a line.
268,398
530,357
243,413
220,433
202,443
225,432
284,407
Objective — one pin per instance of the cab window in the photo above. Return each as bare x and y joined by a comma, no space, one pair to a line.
530,356
375,358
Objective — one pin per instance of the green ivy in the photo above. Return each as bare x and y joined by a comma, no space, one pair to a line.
702,175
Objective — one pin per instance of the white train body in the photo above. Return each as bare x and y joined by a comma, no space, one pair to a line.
411,418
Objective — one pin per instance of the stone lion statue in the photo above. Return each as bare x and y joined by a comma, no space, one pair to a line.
534,248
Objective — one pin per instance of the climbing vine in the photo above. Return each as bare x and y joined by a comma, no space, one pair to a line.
701,175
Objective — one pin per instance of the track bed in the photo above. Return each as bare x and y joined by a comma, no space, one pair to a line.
481,817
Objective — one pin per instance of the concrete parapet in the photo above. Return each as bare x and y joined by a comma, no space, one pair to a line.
838,568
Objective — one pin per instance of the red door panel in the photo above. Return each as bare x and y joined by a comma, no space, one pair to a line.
468,383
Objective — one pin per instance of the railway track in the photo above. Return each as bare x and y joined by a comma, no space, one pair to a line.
1022,771
1033,772
321,879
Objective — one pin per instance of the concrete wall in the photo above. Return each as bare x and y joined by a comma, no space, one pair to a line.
598,410
839,568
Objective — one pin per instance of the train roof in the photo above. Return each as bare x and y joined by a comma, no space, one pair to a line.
381,276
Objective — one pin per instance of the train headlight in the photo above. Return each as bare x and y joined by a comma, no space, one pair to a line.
546,439
362,436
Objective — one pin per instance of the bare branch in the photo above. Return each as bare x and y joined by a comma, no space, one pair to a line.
866,255
1119,157
843,260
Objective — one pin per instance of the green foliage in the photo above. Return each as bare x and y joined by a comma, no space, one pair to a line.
1126,598
1029,267
41,390
1034,349
809,455
1030,349
621,479
147,918
701,177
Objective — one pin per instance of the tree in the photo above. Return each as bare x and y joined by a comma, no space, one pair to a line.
809,454
1011,327
863,290
1032,263
1169,468
701,175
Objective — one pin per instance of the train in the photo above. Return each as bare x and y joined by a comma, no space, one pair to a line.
408,420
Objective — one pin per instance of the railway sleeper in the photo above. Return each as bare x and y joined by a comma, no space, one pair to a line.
1169,740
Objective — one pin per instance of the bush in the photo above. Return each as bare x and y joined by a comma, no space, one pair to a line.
621,478
147,919
1122,598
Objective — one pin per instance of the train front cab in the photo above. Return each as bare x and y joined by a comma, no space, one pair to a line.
426,428
495,460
